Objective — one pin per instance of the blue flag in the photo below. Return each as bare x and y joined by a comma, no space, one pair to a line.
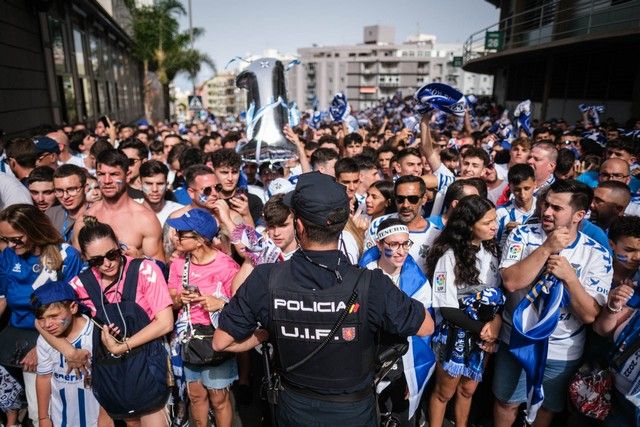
419,360
534,320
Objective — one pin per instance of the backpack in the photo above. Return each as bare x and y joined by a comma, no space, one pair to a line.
135,383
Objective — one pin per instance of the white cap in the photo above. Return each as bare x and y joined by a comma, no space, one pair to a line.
280,186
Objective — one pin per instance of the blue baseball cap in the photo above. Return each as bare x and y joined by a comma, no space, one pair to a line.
197,220
44,144
56,291
318,198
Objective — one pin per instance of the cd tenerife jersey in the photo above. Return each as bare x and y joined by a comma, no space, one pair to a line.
71,403
20,276
446,293
509,212
592,264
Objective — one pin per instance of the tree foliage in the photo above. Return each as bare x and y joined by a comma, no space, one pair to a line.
161,46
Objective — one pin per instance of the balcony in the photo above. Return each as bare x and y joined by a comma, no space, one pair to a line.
551,25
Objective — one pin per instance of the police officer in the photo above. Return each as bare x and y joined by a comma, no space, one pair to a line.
300,301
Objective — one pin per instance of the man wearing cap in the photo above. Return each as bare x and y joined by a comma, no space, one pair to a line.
301,300
47,151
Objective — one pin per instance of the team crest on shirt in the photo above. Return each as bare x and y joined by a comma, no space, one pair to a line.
349,334
440,280
514,251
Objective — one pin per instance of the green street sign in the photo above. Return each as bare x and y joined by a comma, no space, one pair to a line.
493,40
457,61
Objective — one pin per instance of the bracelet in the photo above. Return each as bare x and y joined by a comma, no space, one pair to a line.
128,348
613,310
43,418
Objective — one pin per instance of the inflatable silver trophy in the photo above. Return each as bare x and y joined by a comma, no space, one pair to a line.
267,112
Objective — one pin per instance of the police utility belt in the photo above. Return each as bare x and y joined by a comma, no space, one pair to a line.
297,318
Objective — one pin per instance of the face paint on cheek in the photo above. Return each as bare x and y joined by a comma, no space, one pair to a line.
65,322
203,198
388,253
119,182
622,258
146,189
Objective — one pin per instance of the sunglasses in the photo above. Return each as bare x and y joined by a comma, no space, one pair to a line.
412,199
97,261
15,241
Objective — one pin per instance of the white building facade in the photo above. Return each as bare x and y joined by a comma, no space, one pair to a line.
379,68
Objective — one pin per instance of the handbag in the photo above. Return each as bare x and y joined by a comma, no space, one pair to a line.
197,346
590,391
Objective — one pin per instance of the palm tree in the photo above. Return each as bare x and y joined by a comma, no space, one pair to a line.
163,49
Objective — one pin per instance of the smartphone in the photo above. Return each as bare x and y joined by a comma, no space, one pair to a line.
240,191
192,289
99,323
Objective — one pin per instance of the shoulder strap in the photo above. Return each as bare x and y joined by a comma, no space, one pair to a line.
276,272
91,285
130,287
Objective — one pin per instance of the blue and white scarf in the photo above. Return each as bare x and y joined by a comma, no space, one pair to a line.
523,114
593,113
464,357
534,320
629,369
418,362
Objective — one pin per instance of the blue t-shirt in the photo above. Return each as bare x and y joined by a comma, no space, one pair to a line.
591,179
20,276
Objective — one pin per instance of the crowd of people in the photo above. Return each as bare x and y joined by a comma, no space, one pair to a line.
123,247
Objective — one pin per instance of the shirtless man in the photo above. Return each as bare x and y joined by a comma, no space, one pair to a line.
135,225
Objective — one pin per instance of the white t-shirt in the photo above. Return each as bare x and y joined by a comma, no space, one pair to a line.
75,159
69,400
445,291
422,239
349,247
168,208
425,293
509,212
633,208
592,263
445,178
494,194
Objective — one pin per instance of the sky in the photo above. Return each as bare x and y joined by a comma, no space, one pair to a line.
243,27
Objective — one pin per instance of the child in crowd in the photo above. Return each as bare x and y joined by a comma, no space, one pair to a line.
64,398
522,206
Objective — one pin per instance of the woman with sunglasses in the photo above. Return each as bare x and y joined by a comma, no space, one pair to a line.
32,254
463,263
391,255
200,285
109,267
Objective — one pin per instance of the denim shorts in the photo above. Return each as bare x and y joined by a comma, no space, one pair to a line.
510,386
212,377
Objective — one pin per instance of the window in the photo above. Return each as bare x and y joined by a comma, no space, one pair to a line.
79,52
57,45
67,99
87,98
94,58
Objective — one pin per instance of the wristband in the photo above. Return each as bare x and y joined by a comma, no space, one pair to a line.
128,348
613,310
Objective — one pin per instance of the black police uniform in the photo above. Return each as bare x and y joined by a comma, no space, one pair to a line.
335,386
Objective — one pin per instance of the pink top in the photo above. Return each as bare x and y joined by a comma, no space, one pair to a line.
152,294
206,277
